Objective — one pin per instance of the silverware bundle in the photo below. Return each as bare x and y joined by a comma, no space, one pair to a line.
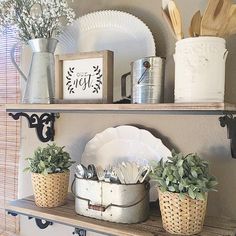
124,173
219,19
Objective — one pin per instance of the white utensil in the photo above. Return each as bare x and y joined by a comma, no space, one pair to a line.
100,173
119,174
146,174
129,170
135,171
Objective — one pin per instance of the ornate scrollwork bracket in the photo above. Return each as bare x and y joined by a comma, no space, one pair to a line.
44,124
230,121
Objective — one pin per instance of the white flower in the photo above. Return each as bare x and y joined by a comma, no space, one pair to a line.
35,18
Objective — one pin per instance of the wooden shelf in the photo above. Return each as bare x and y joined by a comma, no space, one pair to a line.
152,227
164,107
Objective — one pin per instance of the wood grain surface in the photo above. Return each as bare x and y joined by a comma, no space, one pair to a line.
152,227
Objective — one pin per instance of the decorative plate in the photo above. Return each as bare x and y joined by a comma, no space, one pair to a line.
121,32
125,143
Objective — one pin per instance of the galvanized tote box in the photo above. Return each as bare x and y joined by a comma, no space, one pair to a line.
112,202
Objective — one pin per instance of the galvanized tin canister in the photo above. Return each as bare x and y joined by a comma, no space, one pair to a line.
147,79
112,202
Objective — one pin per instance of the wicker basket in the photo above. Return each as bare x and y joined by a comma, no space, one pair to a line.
50,190
181,216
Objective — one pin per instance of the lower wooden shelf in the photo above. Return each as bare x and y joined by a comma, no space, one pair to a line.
152,227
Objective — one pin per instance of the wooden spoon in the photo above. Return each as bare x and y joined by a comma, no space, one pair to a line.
195,27
214,16
230,27
175,19
168,21
165,4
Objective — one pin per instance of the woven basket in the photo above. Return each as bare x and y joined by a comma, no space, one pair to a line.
181,216
50,190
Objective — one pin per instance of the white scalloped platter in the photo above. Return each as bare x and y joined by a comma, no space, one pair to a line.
121,32
125,143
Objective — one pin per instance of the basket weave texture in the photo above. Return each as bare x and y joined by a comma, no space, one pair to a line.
181,216
50,190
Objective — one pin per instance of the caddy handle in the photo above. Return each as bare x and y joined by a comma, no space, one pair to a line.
97,207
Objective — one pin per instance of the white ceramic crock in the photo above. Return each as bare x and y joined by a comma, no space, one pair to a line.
200,69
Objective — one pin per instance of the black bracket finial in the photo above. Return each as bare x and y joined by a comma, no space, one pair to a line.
12,213
44,124
80,232
230,121
42,224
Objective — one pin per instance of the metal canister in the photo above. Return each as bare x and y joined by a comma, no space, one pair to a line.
147,80
113,202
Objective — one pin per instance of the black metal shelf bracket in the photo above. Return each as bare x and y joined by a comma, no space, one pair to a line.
44,124
12,213
80,232
42,224
230,121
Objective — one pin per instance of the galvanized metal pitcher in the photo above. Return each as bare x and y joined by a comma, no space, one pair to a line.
40,83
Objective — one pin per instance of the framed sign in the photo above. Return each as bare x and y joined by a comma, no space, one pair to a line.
85,77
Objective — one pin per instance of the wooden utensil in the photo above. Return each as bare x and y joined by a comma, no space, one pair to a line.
175,19
214,17
195,27
230,27
168,21
165,4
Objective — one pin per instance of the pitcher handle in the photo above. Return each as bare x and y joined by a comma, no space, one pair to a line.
14,62
225,55
123,84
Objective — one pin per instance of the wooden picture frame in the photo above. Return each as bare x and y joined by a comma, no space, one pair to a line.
84,77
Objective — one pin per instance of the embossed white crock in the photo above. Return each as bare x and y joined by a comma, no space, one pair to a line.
200,69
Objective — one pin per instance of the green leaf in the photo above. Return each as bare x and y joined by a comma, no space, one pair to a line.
194,173
191,193
41,163
181,187
181,172
201,196
182,196
167,181
180,163
213,183
171,188
27,169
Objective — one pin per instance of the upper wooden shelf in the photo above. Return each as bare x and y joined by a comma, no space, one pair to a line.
163,107
152,227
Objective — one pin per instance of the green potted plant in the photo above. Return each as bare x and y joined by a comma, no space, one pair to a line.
49,167
183,186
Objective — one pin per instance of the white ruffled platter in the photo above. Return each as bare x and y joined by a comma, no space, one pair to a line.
124,143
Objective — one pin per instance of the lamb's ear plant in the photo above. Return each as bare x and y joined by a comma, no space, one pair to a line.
48,160
186,175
